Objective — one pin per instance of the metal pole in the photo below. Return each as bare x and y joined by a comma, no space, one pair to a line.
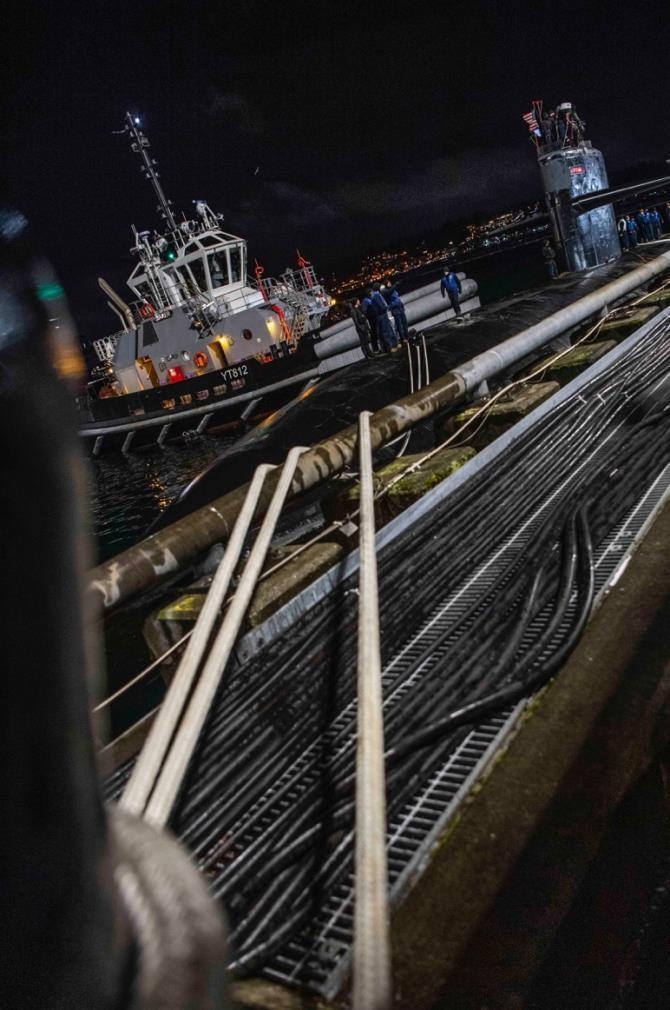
140,144
425,358
203,423
172,774
372,946
163,433
250,408
147,766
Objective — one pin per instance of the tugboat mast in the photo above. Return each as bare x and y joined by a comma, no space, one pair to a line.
140,144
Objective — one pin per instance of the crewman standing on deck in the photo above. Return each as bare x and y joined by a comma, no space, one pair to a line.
371,316
642,226
451,285
622,227
550,259
362,327
656,222
397,307
385,332
632,230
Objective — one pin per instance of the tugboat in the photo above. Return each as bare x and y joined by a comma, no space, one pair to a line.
198,340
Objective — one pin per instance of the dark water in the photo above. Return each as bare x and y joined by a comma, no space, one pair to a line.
128,491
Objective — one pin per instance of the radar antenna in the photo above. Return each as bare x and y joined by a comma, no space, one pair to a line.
140,144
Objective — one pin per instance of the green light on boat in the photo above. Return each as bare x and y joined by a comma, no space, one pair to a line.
47,292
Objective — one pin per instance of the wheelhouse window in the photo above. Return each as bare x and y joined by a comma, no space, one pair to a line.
218,268
236,264
197,268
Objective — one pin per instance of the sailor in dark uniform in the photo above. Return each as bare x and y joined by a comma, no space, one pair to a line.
362,327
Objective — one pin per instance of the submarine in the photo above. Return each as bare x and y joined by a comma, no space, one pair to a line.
372,383
580,217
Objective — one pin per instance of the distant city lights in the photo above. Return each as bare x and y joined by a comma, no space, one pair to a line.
383,266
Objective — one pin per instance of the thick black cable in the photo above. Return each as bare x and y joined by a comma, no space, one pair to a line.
512,693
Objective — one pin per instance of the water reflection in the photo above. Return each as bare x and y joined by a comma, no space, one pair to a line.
126,492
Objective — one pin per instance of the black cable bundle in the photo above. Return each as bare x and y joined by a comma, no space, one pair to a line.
268,809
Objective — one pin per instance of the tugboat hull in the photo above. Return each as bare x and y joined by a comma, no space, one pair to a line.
216,397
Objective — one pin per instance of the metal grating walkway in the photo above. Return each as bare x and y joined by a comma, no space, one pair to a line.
320,957
267,747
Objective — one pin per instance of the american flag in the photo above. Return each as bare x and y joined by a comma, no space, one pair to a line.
530,121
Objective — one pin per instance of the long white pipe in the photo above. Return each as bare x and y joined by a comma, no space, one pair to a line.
490,363
172,774
372,944
147,766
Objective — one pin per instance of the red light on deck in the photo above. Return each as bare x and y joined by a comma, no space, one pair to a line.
176,374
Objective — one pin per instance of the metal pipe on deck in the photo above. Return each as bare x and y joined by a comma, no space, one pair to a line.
148,764
372,947
162,434
175,547
250,408
172,774
490,363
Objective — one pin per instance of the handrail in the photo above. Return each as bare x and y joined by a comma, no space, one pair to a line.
146,770
171,777
372,944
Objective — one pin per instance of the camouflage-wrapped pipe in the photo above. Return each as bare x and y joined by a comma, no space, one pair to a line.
175,547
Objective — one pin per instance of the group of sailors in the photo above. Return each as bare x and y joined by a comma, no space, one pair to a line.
380,318
372,318
560,128
645,226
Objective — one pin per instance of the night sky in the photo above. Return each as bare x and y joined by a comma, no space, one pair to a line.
366,127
